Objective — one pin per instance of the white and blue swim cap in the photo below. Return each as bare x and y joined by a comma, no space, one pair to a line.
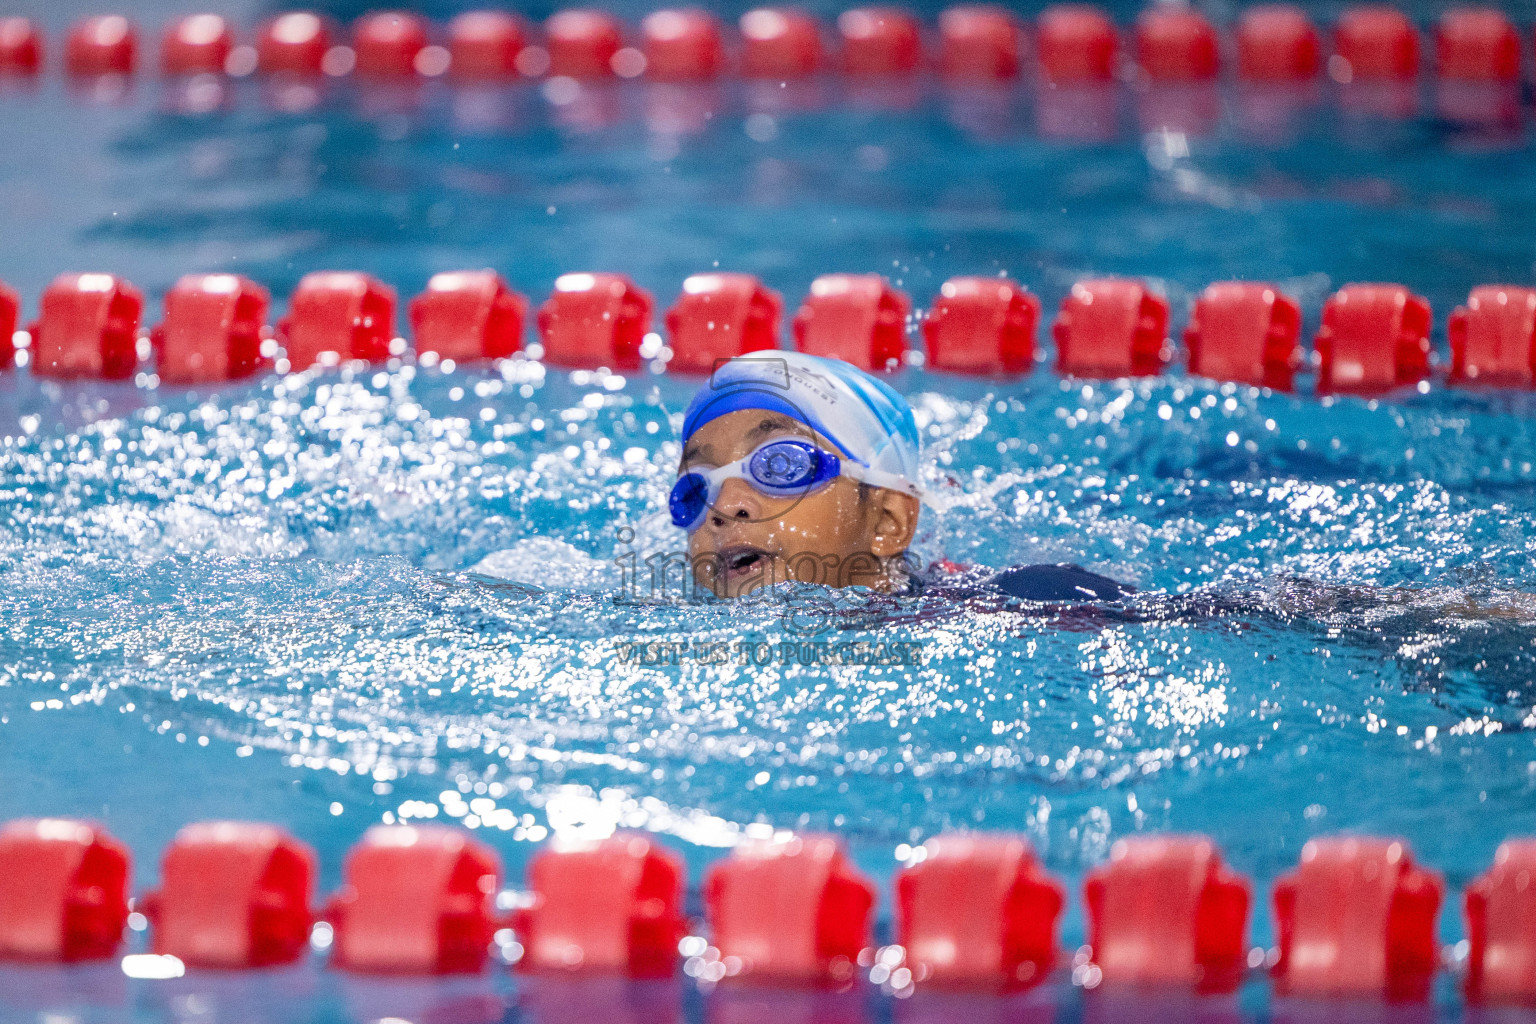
865,419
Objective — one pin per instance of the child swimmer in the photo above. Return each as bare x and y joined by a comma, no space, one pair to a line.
796,467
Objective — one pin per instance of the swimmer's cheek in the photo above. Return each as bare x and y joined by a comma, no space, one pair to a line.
863,569
706,574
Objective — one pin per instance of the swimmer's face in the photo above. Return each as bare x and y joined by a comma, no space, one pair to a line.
841,534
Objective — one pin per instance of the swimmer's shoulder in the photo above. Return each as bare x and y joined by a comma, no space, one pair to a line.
1064,582
1046,582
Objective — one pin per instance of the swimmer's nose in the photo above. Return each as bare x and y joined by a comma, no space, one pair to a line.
738,502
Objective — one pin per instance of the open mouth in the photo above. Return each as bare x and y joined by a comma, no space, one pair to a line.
743,561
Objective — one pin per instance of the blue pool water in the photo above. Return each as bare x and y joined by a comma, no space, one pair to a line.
340,599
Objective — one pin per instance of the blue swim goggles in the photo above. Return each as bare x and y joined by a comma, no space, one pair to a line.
782,468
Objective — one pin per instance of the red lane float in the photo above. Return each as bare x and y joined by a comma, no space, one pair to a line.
779,43
593,320
1477,44
1277,43
196,45
1493,338
1175,44
233,894
1378,44
1111,327
1165,911
484,45
1374,337
21,47
859,318
88,327
879,41
417,899
387,43
682,45
719,316
1357,918
103,45
10,310
213,329
612,906
1076,43
293,44
1245,332
582,43
795,909
982,325
1501,928
467,315
979,911
979,42
338,315
63,891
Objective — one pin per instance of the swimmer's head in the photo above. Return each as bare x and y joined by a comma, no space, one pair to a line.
796,467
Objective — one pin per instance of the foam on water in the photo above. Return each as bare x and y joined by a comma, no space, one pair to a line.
411,595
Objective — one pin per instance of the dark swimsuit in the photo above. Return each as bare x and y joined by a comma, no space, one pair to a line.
1024,582
1057,583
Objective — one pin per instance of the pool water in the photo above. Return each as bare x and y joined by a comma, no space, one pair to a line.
398,594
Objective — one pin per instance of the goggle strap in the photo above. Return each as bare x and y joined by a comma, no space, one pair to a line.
880,478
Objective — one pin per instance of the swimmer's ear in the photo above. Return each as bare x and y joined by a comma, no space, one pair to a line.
895,522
